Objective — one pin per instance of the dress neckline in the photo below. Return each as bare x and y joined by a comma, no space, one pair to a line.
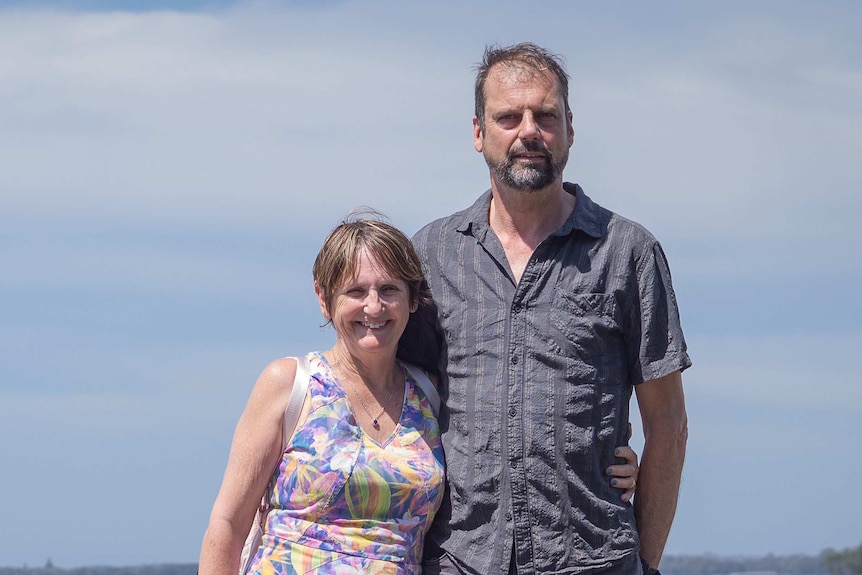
365,436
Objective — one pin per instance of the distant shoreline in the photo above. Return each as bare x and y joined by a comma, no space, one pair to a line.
707,564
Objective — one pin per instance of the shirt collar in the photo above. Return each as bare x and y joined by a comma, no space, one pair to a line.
586,216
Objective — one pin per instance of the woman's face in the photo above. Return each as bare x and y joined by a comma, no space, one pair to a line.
370,312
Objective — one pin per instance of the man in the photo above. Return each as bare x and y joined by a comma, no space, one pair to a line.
552,310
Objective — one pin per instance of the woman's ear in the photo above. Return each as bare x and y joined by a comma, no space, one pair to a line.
321,300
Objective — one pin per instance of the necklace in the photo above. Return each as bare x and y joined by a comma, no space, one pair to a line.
375,423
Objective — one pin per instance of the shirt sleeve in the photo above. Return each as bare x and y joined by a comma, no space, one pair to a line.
656,343
422,341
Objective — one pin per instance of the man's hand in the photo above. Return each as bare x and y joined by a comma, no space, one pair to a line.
625,475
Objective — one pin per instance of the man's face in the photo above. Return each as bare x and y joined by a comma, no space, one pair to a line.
527,131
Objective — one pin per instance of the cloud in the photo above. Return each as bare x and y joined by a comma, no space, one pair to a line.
175,116
769,417
761,371
742,134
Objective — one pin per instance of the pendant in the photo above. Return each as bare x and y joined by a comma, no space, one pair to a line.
375,424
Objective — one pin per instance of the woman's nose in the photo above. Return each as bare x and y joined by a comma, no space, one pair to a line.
373,304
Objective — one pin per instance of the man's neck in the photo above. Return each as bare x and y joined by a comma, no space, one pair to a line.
529,216
522,220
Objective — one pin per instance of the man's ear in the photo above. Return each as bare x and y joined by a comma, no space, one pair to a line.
478,136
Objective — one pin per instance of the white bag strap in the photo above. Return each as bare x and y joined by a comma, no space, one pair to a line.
421,378
297,399
291,417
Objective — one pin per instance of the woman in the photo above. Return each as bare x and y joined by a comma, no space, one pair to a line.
362,476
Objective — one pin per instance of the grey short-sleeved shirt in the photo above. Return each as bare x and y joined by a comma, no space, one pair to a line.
540,375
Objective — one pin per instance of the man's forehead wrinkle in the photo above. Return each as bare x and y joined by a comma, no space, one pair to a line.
522,72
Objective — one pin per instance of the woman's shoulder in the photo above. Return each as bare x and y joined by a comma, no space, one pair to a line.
280,369
279,374
276,380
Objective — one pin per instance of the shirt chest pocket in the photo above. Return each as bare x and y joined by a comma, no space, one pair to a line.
586,330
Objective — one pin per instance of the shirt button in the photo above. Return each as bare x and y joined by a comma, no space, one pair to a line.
513,464
514,360
517,308
508,515
512,411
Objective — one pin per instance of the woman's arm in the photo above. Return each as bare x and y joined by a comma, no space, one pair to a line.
254,452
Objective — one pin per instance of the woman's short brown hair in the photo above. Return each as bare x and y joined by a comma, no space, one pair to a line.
337,261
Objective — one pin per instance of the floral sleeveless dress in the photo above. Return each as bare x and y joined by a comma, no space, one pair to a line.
341,503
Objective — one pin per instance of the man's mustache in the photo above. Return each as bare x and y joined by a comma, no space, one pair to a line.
531,146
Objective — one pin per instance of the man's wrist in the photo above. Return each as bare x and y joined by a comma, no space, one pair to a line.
647,569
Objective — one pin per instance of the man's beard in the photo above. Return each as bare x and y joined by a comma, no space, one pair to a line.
529,178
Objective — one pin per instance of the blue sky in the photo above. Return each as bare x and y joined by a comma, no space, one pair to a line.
169,169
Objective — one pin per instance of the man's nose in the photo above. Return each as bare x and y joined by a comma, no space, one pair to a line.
529,129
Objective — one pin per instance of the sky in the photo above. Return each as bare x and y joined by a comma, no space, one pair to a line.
168,171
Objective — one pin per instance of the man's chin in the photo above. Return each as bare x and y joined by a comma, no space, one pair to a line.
532,181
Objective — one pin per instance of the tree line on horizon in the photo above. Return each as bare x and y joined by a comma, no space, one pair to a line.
829,562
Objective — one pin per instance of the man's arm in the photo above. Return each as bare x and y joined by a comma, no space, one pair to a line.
665,425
